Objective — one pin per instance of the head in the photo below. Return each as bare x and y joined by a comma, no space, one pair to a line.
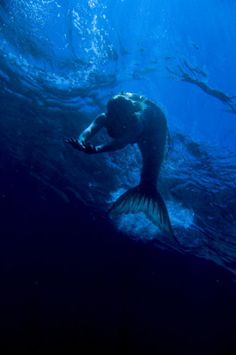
121,115
119,108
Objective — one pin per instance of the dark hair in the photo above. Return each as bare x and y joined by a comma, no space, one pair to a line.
119,106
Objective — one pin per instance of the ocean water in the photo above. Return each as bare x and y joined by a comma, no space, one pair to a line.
73,279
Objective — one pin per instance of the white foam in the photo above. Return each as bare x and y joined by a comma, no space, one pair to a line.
140,227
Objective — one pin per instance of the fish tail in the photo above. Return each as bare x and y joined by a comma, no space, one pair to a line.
141,199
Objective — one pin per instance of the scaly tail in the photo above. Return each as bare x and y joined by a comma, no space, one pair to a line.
139,199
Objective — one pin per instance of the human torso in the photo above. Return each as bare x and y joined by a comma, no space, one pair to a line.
132,125
146,121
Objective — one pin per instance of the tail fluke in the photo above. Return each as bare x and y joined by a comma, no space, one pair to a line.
139,199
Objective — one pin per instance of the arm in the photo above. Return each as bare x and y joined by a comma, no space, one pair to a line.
92,129
88,148
115,144
81,143
120,143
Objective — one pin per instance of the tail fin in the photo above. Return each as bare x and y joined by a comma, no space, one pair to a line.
139,199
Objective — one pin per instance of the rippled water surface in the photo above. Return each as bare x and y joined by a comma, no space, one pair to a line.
60,61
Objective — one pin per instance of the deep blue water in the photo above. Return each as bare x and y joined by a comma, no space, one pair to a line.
72,279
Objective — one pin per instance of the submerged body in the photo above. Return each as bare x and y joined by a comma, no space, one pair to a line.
131,119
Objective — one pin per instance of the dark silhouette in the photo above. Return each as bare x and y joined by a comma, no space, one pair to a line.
190,75
130,119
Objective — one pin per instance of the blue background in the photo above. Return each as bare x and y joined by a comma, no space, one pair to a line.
71,277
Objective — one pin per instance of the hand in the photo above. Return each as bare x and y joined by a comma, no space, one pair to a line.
82,146
75,143
90,149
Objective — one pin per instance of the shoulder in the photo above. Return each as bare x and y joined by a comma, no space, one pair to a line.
101,119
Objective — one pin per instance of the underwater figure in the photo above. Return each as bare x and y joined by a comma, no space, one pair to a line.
130,119
188,73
